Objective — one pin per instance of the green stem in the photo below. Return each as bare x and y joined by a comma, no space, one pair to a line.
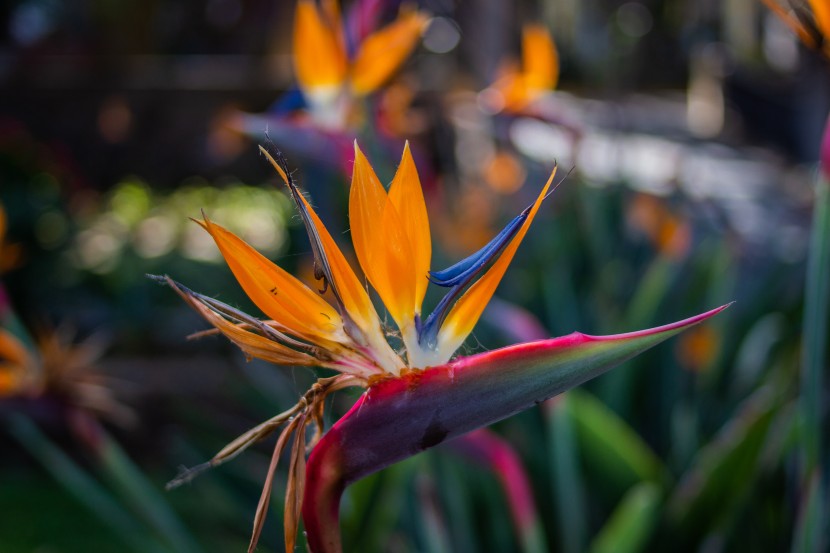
814,353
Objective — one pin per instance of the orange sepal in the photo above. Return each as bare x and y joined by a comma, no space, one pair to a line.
254,345
540,60
289,302
382,247
350,293
319,55
407,199
384,51
821,15
354,297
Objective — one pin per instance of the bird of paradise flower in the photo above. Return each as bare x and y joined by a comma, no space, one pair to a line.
327,76
414,399
519,85
59,373
339,62
50,367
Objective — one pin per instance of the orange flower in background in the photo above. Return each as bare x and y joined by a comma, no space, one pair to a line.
504,173
15,364
518,87
698,349
668,232
338,62
325,72
810,20
59,369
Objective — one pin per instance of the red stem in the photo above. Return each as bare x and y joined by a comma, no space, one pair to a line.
323,489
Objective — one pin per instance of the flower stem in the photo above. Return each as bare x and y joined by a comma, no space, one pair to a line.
323,488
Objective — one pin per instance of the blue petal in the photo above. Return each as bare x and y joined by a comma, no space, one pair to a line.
428,330
468,267
292,100
460,275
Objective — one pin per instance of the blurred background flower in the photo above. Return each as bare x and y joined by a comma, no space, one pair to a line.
693,131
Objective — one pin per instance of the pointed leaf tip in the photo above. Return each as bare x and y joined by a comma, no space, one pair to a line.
676,326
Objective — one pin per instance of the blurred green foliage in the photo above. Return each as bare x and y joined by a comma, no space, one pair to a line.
660,452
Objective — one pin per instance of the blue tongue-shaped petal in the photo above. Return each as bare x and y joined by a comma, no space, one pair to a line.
469,266
458,276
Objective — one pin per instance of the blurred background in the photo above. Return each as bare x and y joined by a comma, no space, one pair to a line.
691,131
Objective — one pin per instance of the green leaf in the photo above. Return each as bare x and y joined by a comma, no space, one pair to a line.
724,471
811,524
631,524
568,488
611,445
816,309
